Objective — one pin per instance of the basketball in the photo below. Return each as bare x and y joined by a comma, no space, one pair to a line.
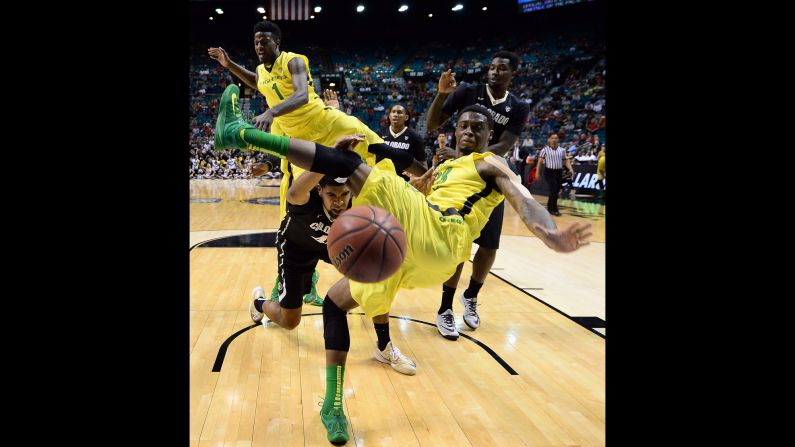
366,244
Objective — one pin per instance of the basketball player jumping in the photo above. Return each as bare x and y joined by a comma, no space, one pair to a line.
439,228
295,110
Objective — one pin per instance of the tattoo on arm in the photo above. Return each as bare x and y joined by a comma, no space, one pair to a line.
495,170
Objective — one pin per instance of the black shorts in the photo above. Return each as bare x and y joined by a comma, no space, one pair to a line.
296,266
490,235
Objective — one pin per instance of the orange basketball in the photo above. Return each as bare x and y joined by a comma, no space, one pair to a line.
366,244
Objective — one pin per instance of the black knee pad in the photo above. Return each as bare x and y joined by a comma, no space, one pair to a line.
335,327
334,162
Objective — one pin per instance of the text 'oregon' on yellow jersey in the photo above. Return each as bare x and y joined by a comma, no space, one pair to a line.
459,186
276,85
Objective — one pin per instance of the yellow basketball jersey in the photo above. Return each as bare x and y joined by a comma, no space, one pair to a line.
459,186
276,85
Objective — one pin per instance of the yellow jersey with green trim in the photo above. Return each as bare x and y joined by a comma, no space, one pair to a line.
276,85
459,186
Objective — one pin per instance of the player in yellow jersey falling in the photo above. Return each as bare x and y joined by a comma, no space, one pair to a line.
439,228
295,110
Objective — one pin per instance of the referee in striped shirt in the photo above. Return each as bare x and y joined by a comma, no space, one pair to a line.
553,159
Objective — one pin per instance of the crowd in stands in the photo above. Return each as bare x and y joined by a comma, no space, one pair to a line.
562,78
205,163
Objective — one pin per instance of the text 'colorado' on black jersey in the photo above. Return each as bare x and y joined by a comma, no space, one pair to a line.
406,140
508,112
306,226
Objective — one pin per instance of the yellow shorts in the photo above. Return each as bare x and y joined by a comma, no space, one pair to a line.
325,128
437,243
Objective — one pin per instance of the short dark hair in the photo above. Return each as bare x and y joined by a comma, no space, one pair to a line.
406,109
266,26
513,59
332,181
479,109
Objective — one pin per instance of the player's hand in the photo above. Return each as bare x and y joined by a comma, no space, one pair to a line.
330,98
219,54
348,141
564,241
447,82
445,153
424,182
263,122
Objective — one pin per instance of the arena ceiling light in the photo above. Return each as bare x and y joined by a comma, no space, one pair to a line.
403,8
264,17
261,10
318,8
211,17
219,11
360,8
458,7
311,17
430,15
485,8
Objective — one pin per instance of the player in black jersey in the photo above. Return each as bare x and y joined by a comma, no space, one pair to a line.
399,136
313,202
509,115
508,111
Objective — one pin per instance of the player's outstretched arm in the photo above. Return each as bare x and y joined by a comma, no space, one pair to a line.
299,191
436,116
535,217
248,77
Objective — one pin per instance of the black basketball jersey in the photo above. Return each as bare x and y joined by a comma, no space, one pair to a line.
407,140
306,226
508,113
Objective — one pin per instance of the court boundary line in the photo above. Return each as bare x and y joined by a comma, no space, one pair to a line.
219,358
548,305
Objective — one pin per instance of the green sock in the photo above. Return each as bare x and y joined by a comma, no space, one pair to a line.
274,144
315,277
334,379
275,290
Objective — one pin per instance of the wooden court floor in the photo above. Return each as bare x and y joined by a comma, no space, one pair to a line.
528,376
